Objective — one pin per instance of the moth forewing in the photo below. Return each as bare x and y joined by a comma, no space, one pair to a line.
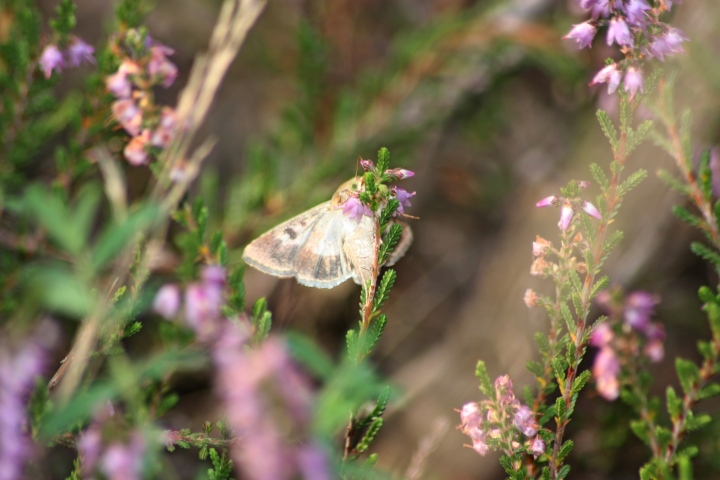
275,251
360,247
320,262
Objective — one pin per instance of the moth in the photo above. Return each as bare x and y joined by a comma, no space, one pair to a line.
323,247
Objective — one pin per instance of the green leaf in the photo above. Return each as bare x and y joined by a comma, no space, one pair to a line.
639,136
383,160
565,450
383,289
673,182
632,181
535,368
563,472
486,385
674,404
560,409
694,422
688,374
389,242
705,176
710,390
369,436
599,176
118,236
52,213
387,213
706,254
580,381
57,288
608,128
641,430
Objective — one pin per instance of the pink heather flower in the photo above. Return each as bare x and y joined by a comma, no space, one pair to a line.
79,52
619,32
530,298
128,115
160,67
610,75
547,201
124,462
602,335
118,84
400,173
654,350
479,444
639,307
167,301
537,446
525,421
89,447
582,33
605,370
633,81
20,365
403,196
635,11
166,129
355,209
566,216
51,59
667,43
203,303
367,165
591,210
583,184
313,463
540,246
136,150
470,416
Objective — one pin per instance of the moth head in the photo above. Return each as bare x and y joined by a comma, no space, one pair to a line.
347,190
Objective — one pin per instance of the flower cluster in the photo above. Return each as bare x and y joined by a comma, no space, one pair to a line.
570,206
77,52
101,448
19,368
254,385
203,301
635,27
497,423
358,205
149,125
635,332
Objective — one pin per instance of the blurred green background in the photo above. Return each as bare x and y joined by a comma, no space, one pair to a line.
492,110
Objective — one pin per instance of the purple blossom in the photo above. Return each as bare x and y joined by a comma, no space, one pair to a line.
547,201
525,421
367,165
124,462
160,67
355,209
470,415
635,12
135,151
591,210
118,84
605,370
619,33
167,301
639,307
203,304
602,335
19,367
128,115
611,75
79,52
313,463
582,33
166,129
633,81
566,215
403,197
537,446
667,43
51,59
399,173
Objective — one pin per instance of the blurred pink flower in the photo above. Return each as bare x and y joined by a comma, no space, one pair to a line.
51,59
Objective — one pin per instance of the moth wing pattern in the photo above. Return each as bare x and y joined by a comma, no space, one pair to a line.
321,262
360,250
275,251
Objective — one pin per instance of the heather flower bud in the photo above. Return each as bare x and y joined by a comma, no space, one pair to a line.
530,298
400,173
633,81
547,201
167,301
525,421
540,246
51,59
355,209
606,370
470,416
565,216
619,32
611,75
582,33
367,165
591,210
128,115
135,151
79,52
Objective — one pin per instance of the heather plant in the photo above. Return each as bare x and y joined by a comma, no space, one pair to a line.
625,339
137,285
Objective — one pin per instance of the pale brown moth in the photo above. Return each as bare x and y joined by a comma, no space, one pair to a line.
323,247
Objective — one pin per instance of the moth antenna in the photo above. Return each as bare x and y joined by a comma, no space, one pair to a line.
357,165
405,215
